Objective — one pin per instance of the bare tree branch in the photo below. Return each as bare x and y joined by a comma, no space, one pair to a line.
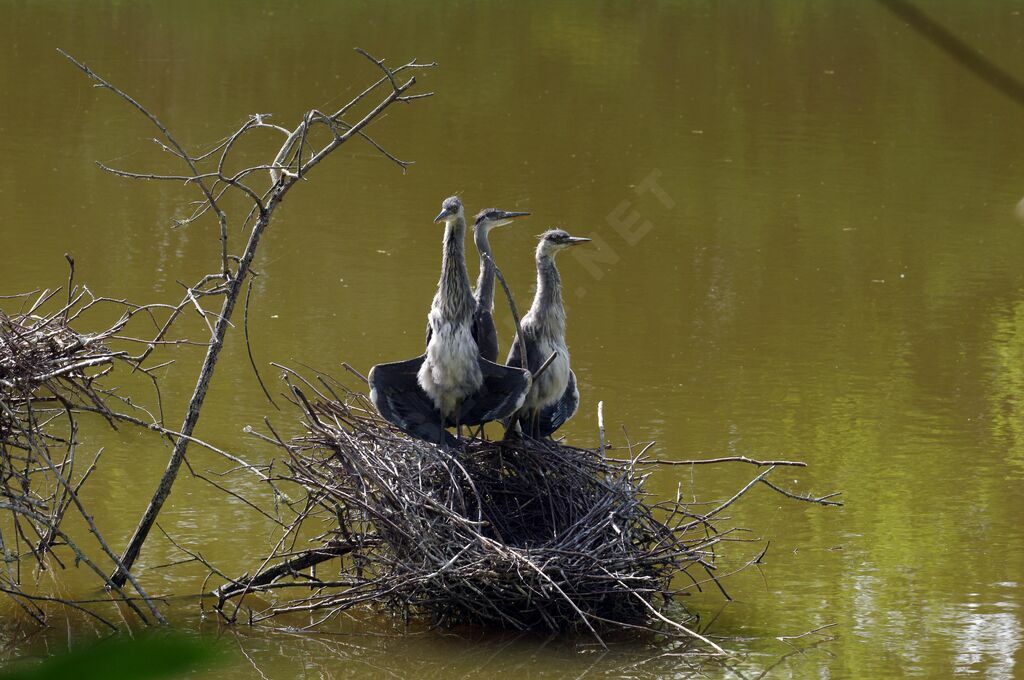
261,214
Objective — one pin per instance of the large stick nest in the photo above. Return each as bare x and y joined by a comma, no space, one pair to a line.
525,535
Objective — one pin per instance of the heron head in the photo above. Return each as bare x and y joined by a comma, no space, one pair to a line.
490,218
553,241
451,209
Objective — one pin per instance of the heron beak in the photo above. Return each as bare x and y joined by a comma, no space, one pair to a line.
507,217
441,216
576,240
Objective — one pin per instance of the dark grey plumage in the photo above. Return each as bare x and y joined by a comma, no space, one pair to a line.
396,393
484,331
450,385
555,415
502,393
400,400
554,398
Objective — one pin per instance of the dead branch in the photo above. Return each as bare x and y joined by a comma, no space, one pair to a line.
292,162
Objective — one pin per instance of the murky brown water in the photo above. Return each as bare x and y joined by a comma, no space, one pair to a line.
831,274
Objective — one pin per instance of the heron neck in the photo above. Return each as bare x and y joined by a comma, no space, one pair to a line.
547,307
453,289
485,282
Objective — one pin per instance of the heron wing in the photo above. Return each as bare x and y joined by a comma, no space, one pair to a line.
429,334
555,415
400,400
503,391
533,357
485,333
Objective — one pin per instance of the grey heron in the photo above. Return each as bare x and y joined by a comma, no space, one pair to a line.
450,385
554,397
484,331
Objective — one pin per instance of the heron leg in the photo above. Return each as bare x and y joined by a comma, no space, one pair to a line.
510,427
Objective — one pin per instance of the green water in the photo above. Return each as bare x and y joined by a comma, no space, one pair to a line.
830,272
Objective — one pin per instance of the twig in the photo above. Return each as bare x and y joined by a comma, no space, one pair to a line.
724,459
823,500
248,347
543,367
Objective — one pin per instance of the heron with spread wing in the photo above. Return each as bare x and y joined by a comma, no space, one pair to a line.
450,385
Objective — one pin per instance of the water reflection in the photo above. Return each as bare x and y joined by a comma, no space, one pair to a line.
473,655
1007,378
987,643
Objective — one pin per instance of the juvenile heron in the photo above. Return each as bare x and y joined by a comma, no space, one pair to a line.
554,397
450,385
484,331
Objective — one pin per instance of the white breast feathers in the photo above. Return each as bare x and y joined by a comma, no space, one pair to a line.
451,371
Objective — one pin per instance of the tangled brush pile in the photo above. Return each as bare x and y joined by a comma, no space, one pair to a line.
49,373
43,360
47,370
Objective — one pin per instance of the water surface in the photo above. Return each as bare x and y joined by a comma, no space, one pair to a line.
829,272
